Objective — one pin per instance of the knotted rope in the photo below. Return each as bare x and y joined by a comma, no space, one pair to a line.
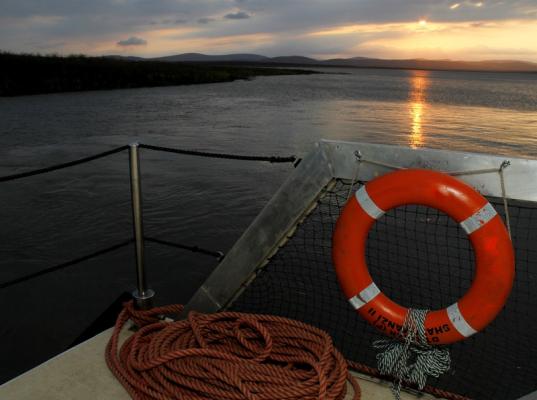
227,355
409,358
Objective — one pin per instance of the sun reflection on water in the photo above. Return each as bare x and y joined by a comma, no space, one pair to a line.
417,107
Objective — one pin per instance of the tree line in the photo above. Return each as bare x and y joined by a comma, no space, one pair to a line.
24,74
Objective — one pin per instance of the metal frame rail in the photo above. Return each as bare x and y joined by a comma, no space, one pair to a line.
338,160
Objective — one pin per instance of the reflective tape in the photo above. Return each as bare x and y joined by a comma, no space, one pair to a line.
367,204
370,292
459,322
356,302
479,219
365,296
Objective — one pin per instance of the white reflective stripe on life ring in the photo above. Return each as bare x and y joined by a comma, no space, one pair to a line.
367,204
458,321
365,296
479,219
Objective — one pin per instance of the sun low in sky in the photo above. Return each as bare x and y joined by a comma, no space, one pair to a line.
436,29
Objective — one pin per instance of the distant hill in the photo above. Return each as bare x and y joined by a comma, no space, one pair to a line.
361,62
125,58
500,66
208,58
294,60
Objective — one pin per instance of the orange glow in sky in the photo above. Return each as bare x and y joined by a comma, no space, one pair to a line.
475,40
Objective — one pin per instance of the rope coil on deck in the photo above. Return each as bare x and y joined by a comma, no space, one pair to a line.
226,355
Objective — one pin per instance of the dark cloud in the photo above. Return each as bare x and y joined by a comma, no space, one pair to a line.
205,20
327,12
116,8
132,41
168,21
238,15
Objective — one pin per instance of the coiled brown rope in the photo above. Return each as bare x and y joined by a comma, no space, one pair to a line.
227,355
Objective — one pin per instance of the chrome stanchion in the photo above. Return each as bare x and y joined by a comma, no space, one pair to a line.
143,296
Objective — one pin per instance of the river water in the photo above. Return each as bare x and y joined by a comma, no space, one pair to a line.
52,218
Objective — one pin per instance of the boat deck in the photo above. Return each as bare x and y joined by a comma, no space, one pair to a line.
81,373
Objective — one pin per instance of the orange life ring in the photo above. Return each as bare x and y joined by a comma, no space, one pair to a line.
494,257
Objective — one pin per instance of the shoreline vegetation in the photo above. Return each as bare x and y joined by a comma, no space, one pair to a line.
24,74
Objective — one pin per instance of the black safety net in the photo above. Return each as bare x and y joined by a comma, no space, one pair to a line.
420,258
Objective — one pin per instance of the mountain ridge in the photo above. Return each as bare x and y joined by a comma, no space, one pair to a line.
199,57
354,62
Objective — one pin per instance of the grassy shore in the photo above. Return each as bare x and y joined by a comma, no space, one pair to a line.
35,74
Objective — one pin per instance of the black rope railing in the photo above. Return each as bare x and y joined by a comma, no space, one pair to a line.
195,249
68,164
65,264
270,159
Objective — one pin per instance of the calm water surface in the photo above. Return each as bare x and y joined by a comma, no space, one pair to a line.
52,218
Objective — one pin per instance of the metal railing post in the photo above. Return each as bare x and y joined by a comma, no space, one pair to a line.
142,295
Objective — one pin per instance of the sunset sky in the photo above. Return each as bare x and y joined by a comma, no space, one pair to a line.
440,29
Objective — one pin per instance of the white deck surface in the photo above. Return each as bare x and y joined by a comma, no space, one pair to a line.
81,373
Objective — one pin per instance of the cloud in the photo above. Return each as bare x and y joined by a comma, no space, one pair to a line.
132,41
238,15
205,20
481,24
